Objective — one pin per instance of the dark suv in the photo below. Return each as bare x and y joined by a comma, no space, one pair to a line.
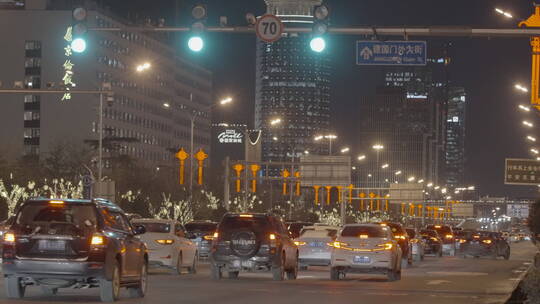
253,242
57,243
447,235
401,236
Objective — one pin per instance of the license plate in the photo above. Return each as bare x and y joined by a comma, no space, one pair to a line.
362,260
316,244
48,245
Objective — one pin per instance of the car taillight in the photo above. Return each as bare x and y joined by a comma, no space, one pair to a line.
208,237
299,243
386,246
486,241
165,242
215,236
461,241
414,241
434,239
97,240
399,236
9,238
337,244
448,236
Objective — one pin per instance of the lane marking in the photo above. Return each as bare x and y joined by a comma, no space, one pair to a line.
437,282
457,273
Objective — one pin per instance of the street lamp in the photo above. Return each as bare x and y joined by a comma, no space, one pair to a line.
194,115
504,13
521,88
225,101
535,151
528,124
524,108
143,67
275,121
398,172
411,179
385,166
361,157
531,138
378,148
330,137
345,150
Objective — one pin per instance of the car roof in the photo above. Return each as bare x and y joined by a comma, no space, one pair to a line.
320,227
152,220
97,201
362,225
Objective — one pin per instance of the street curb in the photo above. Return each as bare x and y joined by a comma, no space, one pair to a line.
516,284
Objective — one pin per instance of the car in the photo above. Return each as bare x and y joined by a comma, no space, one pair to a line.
296,227
203,234
484,243
60,243
168,245
447,235
434,242
313,245
417,244
253,242
402,238
366,248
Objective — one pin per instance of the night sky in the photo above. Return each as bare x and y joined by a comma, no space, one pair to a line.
487,68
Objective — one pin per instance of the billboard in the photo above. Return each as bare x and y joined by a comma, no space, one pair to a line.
463,210
517,210
317,170
406,193
522,172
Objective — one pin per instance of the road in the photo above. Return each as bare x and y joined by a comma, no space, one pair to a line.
434,280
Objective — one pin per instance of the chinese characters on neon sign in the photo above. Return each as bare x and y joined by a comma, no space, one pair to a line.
67,80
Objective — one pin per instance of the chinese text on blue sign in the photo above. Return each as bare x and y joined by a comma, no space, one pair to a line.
391,53
522,172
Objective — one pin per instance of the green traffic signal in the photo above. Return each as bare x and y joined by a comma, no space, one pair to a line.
78,45
317,44
196,43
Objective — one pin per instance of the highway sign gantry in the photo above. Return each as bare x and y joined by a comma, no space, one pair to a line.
269,28
522,172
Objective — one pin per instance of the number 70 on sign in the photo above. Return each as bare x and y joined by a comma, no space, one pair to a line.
269,28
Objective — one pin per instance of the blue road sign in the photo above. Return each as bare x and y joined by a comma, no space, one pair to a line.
391,52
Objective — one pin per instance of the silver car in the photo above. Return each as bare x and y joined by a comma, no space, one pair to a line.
313,245
366,248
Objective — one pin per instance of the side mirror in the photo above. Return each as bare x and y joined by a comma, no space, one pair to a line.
139,229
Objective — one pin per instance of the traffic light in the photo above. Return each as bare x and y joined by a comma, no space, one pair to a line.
320,27
79,29
196,41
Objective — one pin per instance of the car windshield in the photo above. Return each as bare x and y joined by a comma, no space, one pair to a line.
256,223
203,227
155,227
396,228
370,231
315,233
45,214
441,229
431,233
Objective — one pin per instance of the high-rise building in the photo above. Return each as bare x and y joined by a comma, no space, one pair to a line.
293,84
455,137
151,110
402,124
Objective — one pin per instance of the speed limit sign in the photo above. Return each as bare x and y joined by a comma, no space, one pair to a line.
269,28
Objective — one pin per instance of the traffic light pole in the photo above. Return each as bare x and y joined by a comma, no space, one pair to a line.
429,31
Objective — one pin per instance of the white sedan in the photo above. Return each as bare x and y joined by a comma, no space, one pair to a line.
168,246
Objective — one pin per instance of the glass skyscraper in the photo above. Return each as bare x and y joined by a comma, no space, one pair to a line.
293,84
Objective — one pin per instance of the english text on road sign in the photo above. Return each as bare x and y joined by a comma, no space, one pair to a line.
269,28
391,53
